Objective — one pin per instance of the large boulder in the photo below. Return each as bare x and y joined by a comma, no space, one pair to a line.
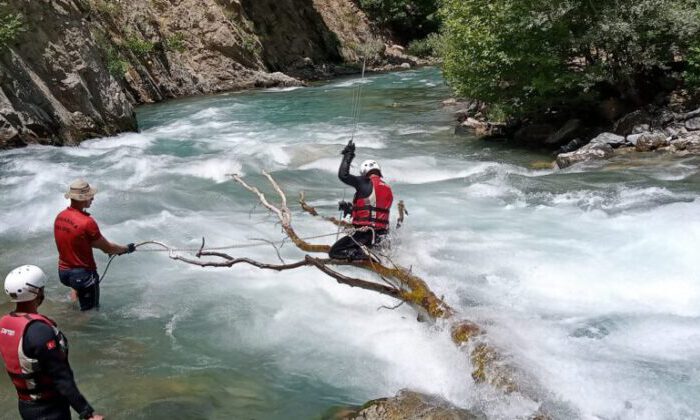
626,124
409,405
651,141
591,151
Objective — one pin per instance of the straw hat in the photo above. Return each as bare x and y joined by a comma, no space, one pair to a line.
80,190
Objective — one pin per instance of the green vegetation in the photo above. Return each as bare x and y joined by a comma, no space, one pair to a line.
426,47
138,45
176,42
11,24
116,65
107,7
692,73
370,50
531,55
408,19
250,43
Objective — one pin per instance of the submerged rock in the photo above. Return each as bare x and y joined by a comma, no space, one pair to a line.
406,405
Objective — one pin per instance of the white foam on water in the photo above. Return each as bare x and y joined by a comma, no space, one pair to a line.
282,89
216,169
590,288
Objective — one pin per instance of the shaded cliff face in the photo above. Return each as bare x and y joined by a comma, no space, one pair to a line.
79,66
53,85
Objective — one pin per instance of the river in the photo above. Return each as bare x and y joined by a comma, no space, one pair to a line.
587,278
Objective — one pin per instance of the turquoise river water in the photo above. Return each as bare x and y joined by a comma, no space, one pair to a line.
588,279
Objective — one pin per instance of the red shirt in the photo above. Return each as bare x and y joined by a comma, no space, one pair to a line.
75,231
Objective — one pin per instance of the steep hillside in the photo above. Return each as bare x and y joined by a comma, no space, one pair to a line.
76,68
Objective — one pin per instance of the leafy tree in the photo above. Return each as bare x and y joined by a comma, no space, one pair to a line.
408,19
529,54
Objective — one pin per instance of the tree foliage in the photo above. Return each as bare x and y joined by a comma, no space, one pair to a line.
408,19
11,24
529,54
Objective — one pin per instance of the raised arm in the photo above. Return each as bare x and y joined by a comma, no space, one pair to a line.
344,170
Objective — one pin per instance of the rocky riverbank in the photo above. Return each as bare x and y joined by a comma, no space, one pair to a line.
650,129
74,69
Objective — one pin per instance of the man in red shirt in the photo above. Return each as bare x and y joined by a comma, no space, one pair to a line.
76,233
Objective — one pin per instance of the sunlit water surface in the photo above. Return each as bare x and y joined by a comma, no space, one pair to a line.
588,278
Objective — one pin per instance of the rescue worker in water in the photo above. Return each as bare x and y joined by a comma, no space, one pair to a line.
76,234
369,209
35,353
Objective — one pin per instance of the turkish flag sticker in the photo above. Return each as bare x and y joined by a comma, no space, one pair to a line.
51,344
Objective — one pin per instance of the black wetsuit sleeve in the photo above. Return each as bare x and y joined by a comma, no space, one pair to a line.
41,343
362,185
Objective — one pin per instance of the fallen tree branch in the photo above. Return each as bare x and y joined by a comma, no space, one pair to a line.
400,283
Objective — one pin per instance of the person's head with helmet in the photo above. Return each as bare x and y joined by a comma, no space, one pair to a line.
370,167
25,286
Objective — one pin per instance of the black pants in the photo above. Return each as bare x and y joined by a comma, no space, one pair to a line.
55,409
349,247
86,283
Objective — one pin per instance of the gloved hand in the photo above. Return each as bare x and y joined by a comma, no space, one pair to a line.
349,148
345,207
130,248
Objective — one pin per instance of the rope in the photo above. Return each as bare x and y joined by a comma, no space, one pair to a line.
357,98
232,246
102,277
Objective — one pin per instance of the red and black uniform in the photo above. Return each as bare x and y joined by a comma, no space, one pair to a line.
35,353
74,232
370,207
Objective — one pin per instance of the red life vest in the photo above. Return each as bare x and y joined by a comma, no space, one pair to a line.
30,382
373,211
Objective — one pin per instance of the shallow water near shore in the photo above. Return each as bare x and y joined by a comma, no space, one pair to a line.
587,278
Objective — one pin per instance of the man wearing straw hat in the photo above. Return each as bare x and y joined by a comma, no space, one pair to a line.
76,233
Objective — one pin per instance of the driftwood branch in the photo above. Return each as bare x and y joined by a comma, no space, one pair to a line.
397,282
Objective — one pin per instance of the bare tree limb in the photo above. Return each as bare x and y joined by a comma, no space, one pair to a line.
312,211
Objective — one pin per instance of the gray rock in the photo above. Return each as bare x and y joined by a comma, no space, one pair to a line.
688,141
689,115
641,128
651,141
610,139
626,124
405,65
412,405
572,145
591,151
693,124
567,132
633,138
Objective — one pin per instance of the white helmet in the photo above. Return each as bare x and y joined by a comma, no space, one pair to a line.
23,283
369,165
